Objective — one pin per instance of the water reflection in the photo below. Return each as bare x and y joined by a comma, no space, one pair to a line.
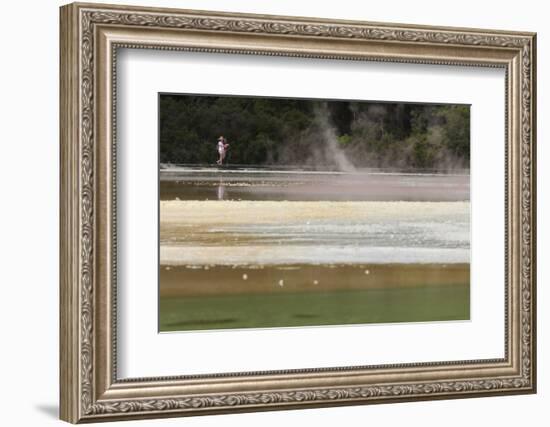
221,190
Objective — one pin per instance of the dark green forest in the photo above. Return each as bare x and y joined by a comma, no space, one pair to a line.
335,135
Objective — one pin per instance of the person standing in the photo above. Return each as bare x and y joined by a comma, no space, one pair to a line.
222,149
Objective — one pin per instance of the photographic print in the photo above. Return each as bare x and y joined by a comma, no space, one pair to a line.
280,212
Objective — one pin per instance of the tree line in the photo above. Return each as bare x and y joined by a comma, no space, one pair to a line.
313,133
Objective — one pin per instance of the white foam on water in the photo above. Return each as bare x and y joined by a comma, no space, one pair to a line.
273,255
278,233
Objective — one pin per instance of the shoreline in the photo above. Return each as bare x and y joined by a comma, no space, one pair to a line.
299,169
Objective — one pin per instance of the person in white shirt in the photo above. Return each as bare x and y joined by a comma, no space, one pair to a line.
222,149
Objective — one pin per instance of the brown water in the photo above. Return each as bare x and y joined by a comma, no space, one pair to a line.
232,280
223,184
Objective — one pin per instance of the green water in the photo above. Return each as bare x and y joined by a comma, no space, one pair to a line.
343,307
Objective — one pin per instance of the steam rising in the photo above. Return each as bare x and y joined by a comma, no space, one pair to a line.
333,154
317,146
371,146
399,153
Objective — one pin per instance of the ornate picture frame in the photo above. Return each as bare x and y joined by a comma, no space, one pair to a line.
90,37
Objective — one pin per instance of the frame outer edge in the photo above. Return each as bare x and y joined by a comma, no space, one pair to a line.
69,355
305,19
534,270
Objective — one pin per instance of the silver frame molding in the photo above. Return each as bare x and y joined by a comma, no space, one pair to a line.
90,37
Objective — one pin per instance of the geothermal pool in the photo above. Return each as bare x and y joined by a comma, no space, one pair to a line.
256,248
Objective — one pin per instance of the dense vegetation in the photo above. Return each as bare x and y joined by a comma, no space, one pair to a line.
318,134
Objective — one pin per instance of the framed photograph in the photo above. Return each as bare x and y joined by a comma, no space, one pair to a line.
267,212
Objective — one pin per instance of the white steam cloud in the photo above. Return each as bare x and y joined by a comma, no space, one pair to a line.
333,154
